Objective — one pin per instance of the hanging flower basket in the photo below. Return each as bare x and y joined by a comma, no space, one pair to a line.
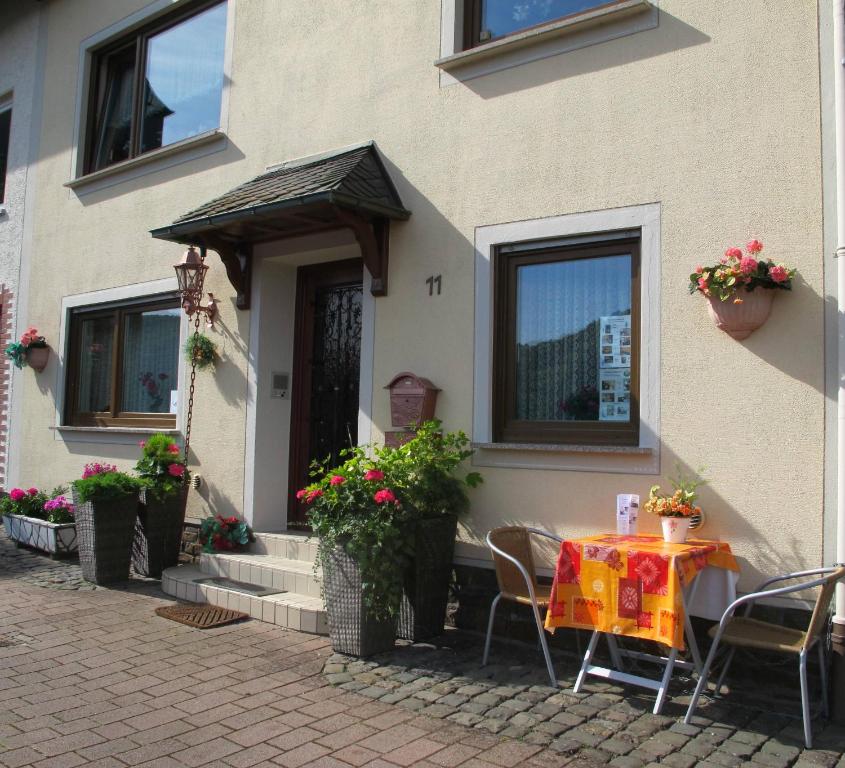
31,350
200,351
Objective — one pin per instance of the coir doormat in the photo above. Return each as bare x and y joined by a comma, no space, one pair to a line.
201,616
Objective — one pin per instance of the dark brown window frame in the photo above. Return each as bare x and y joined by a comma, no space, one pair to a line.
113,418
98,80
508,429
472,22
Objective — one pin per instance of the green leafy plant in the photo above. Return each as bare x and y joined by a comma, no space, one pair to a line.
162,466
200,350
365,506
224,534
103,482
681,502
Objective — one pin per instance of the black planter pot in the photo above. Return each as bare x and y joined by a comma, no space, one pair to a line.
104,532
352,628
426,584
158,532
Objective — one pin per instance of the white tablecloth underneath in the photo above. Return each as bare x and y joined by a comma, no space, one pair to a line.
716,590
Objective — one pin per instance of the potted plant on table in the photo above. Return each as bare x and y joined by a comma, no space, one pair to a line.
42,521
161,513
676,511
106,502
423,471
31,350
740,289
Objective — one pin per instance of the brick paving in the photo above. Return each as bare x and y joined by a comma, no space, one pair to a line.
93,677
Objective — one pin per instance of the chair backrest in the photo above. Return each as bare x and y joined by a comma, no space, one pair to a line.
822,603
516,541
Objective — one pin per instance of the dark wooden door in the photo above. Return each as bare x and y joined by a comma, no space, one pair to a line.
327,370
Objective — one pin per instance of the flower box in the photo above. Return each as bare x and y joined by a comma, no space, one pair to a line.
53,538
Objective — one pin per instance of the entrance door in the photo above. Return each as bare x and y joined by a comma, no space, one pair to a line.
327,370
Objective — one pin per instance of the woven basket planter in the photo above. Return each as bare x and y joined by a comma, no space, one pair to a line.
426,588
158,532
353,630
104,532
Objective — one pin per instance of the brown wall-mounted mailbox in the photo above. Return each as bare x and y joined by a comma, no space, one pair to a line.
412,399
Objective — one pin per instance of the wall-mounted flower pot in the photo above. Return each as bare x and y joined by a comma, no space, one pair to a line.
37,357
741,320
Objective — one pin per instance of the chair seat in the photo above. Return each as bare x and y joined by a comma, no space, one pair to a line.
542,591
753,633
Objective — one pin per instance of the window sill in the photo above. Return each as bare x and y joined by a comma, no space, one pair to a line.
588,28
625,459
108,435
149,161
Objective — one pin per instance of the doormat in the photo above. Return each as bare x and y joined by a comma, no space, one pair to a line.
254,590
201,616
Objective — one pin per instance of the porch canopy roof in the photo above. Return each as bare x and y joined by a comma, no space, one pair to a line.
349,188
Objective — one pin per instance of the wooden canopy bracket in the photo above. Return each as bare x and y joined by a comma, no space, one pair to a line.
237,258
374,240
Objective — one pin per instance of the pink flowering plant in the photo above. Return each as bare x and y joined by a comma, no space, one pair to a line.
30,339
162,466
104,482
738,271
31,502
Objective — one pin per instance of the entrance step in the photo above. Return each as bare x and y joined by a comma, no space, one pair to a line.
288,546
292,610
276,572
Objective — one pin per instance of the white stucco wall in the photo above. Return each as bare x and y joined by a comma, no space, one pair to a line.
713,115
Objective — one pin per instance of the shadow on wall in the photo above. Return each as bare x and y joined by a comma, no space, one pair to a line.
670,35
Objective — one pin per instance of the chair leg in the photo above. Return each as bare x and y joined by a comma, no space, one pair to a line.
725,668
702,681
823,674
544,645
805,700
493,606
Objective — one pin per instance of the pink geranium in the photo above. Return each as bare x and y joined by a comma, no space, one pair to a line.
755,246
96,468
733,253
374,474
173,448
301,494
314,495
384,496
177,470
779,273
32,491
337,480
16,494
747,265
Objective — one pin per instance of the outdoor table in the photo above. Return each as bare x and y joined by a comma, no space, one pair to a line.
638,586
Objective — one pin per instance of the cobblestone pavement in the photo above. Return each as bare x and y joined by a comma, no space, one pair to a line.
95,678
27,567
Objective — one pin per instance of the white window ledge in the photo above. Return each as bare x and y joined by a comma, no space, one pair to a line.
154,160
107,435
599,25
565,448
617,459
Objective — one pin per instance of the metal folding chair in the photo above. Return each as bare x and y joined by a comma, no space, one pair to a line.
517,578
745,632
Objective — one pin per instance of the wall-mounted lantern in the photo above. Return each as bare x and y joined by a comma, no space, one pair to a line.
190,273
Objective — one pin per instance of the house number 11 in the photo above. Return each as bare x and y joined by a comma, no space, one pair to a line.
431,282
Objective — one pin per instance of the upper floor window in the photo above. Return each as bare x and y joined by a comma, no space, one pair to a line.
491,19
5,128
566,350
161,84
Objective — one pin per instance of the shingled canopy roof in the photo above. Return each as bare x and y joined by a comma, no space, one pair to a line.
346,189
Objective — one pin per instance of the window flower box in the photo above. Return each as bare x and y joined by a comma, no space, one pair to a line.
52,538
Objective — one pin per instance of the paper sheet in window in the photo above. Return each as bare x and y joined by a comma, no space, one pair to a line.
615,394
615,341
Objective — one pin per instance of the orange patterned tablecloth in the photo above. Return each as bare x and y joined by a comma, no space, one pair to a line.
629,585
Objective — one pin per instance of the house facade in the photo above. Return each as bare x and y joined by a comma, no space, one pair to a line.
505,198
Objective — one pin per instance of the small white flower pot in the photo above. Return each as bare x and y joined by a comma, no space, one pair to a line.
53,538
675,529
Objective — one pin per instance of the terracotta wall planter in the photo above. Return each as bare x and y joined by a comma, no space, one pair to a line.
741,320
37,357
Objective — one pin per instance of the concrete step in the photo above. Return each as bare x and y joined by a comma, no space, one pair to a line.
291,610
288,546
282,573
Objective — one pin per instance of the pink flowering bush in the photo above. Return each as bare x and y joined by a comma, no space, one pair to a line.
96,468
104,482
34,503
59,510
161,467
736,272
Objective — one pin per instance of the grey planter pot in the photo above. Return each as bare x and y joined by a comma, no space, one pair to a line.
422,614
104,531
158,532
353,630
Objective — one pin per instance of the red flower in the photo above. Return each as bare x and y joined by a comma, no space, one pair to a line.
16,494
173,448
733,253
747,265
384,496
314,495
300,495
755,246
232,519
778,273
374,474
337,480
177,470
32,491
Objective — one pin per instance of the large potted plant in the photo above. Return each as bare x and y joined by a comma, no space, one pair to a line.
35,519
161,513
106,503
363,552
740,288
423,472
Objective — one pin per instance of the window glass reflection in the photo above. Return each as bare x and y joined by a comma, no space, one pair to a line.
502,17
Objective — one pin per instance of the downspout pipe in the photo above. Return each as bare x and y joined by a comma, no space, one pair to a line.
838,675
